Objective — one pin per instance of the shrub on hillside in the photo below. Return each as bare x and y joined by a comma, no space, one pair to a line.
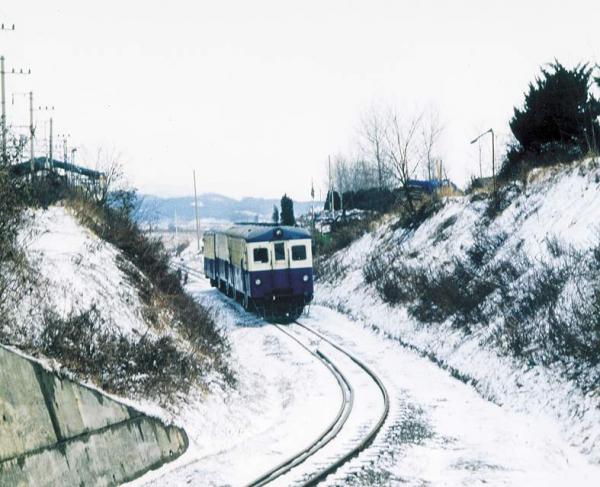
154,366
159,285
12,261
424,209
547,312
342,234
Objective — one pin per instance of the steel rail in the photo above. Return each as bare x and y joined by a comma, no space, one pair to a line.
328,434
370,437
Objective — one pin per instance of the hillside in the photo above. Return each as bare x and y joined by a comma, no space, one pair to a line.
111,314
505,294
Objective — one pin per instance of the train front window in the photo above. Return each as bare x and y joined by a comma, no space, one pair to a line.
299,252
279,251
261,255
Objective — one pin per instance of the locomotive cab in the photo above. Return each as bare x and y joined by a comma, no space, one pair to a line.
267,268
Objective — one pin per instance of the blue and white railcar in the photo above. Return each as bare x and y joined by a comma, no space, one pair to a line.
268,268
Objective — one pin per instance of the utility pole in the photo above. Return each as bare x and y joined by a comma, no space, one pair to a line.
312,206
31,132
480,168
3,99
490,131
493,159
50,147
3,109
65,145
196,208
3,96
330,189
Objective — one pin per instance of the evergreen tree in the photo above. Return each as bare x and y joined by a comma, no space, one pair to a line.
275,216
558,118
287,211
337,201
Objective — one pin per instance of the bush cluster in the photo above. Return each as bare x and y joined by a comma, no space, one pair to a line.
159,285
536,309
85,344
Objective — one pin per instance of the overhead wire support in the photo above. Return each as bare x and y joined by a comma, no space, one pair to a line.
2,89
49,153
3,74
31,127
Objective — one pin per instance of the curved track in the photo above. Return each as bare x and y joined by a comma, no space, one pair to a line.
337,424
370,436
330,431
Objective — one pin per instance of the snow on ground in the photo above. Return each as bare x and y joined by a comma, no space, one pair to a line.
73,269
284,399
442,432
557,203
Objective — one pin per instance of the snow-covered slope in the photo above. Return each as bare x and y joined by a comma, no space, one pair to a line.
73,269
551,224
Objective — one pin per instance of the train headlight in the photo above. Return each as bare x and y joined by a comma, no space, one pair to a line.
305,277
258,282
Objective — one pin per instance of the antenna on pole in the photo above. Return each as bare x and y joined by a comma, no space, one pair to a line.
196,208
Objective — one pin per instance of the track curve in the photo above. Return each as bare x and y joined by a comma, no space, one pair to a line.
327,435
370,437
338,422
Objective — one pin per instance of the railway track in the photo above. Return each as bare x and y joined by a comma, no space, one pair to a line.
328,434
301,334
368,438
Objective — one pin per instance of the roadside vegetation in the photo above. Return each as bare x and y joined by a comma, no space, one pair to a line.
547,311
183,348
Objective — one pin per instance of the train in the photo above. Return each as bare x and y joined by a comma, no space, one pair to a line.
267,268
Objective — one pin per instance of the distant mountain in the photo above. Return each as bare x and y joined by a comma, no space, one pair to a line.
212,208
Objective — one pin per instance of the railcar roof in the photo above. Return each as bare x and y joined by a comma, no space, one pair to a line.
263,233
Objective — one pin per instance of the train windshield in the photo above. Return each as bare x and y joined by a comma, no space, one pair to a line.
298,252
261,255
279,251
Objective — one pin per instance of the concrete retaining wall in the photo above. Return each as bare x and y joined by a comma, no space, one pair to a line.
54,431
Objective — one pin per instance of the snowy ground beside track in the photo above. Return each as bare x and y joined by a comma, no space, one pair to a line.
284,399
440,431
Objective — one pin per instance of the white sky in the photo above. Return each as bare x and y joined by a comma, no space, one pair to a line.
255,94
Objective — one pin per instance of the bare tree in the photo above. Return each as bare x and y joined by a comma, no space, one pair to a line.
404,150
108,162
431,130
373,134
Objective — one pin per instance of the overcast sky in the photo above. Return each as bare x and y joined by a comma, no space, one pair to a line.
255,94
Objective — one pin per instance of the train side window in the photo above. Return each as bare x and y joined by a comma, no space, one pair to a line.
279,251
298,252
261,255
